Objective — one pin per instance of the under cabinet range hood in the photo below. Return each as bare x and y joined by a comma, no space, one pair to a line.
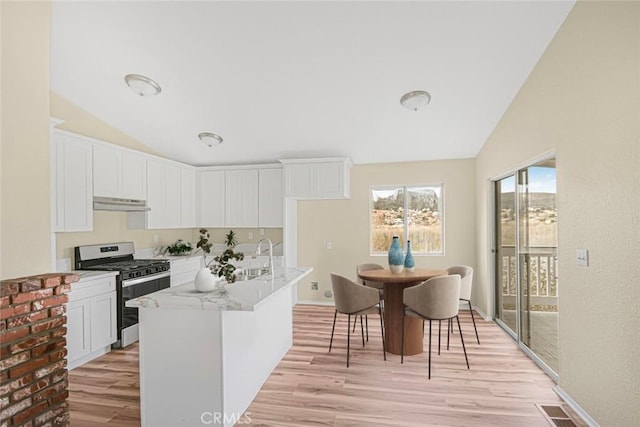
119,205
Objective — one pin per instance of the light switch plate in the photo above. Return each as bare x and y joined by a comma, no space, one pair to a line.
582,257
329,245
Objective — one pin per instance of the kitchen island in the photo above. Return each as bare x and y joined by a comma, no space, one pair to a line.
204,356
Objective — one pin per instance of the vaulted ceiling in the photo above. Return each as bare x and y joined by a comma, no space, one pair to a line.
301,79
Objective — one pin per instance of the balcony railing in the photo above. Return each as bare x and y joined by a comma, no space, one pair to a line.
539,267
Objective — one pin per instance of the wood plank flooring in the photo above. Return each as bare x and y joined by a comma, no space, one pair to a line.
311,387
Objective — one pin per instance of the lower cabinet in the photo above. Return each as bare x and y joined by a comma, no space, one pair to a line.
91,320
185,270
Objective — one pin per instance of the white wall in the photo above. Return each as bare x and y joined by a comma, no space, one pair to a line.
25,224
583,100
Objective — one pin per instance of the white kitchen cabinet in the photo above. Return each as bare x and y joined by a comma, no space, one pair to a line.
107,171
212,198
91,319
172,200
134,176
188,217
184,270
163,197
241,198
118,173
270,197
309,179
155,218
74,183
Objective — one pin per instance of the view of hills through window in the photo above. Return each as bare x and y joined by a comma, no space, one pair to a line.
413,213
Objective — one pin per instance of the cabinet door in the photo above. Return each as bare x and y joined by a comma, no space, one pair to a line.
107,171
298,179
172,196
155,194
103,320
134,176
78,184
188,198
241,208
212,198
57,149
328,179
78,329
270,199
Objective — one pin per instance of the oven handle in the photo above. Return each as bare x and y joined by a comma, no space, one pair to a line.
131,282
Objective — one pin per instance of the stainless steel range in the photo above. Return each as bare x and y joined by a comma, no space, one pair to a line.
137,277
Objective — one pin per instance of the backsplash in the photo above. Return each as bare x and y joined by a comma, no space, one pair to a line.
111,227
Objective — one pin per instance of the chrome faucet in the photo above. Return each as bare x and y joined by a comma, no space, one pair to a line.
259,252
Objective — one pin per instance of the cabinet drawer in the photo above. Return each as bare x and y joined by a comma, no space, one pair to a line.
90,288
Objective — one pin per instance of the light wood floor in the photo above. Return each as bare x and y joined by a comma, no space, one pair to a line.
311,387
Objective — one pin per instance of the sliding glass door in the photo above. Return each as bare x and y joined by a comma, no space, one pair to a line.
526,260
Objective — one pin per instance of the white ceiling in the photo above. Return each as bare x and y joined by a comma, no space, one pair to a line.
301,79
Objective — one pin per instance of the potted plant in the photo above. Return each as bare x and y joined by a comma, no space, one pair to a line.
222,266
180,247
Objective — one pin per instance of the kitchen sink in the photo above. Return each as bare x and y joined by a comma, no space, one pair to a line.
251,273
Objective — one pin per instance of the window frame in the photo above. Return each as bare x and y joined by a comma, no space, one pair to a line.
405,211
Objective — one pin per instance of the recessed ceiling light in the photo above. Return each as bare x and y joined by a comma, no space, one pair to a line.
415,100
210,139
142,85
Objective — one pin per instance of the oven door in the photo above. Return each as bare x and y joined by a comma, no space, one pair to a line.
135,288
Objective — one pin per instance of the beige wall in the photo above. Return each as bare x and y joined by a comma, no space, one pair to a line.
345,223
25,227
583,100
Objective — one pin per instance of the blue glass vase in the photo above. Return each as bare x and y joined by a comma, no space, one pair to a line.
409,263
396,256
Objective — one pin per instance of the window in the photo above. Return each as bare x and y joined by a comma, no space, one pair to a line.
412,213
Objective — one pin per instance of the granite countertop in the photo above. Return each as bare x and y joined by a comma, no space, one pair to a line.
240,296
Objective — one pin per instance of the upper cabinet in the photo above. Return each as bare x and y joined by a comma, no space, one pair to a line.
73,176
270,198
324,178
241,198
172,201
211,184
118,173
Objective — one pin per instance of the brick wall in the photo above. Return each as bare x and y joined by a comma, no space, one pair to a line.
33,365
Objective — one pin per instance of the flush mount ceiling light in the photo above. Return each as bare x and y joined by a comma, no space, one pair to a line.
142,85
210,139
415,100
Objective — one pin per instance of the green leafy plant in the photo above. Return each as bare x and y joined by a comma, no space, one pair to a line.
180,247
222,266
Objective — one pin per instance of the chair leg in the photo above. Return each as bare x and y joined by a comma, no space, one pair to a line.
429,348
354,324
474,321
349,335
366,326
362,330
448,330
462,339
384,349
439,330
402,338
333,329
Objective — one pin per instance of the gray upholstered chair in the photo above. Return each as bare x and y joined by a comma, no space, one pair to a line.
377,285
354,299
466,280
434,299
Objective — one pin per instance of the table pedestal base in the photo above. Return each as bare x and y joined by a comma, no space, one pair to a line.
413,331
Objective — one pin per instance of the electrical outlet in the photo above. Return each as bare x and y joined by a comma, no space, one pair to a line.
582,257
251,235
314,286
262,231
156,239
329,245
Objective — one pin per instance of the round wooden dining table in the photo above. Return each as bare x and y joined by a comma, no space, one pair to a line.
394,284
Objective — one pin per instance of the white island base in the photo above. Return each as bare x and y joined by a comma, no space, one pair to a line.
205,366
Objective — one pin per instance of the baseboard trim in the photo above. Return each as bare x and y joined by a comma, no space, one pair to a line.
576,408
482,313
314,302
